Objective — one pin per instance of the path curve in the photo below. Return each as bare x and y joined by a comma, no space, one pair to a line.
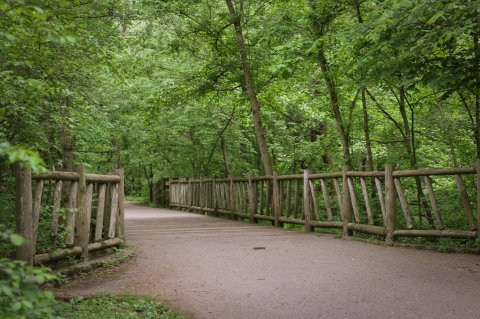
209,268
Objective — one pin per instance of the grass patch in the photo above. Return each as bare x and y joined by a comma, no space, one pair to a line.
120,256
144,201
295,227
137,199
106,306
265,222
443,245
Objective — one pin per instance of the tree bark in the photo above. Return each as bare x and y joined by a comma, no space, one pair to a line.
332,91
66,140
476,47
250,88
118,148
149,177
318,28
410,149
448,132
366,131
356,3
366,128
224,155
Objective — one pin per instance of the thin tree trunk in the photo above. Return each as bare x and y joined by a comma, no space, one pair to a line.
410,148
476,47
66,140
356,3
118,147
406,128
366,128
149,177
220,136
448,133
366,132
332,92
252,96
224,155
318,28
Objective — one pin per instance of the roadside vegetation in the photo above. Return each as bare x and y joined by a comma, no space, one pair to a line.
107,306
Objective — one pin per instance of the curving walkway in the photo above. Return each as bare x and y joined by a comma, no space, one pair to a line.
213,268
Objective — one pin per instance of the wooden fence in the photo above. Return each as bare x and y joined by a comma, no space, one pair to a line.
364,202
73,212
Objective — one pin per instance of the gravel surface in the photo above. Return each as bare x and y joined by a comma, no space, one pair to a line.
214,268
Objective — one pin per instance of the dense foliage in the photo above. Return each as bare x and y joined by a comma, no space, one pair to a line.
161,87
20,295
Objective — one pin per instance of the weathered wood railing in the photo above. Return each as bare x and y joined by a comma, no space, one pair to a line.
364,202
86,208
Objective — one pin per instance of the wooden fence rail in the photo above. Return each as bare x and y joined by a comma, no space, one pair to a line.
73,212
364,202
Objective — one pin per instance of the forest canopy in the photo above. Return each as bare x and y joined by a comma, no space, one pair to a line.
212,88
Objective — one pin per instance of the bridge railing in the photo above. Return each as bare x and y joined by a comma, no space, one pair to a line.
65,214
379,202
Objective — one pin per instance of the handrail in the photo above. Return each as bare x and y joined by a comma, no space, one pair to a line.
354,201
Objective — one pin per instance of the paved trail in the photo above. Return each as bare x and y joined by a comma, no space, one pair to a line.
208,268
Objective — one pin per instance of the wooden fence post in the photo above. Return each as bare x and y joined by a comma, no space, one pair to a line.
170,193
231,198
71,213
346,209
389,203
306,201
24,212
203,197
190,195
478,198
121,205
252,198
214,197
276,200
82,218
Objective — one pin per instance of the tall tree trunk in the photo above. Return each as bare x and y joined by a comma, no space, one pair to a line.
406,127
221,138
366,132
366,128
66,140
356,3
332,92
318,28
149,178
410,149
448,132
224,155
118,148
250,88
476,47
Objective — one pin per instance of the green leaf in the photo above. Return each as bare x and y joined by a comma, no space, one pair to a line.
17,240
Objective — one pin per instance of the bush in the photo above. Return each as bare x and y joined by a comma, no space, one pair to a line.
116,307
20,293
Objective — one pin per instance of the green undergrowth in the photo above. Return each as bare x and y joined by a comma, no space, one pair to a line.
121,255
141,200
444,245
137,199
106,306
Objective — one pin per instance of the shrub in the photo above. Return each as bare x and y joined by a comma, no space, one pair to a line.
20,293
